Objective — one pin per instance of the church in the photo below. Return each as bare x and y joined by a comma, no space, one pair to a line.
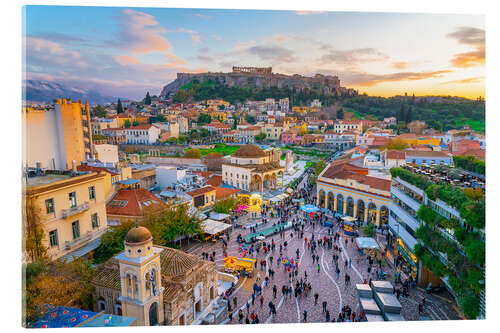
156,285
251,168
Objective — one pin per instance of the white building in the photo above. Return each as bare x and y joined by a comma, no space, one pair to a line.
142,134
316,103
107,153
168,176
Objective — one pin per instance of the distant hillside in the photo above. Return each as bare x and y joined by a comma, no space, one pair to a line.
439,112
237,86
45,91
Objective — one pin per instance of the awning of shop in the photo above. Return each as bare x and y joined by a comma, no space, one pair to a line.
213,227
366,243
400,231
218,216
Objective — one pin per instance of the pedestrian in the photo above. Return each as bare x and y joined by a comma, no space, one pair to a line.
261,300
235,302
327,316
319,268
230,314
248,307
274,291
324,306
316,298
240,316
305,316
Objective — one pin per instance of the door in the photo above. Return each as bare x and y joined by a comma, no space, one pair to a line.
153,314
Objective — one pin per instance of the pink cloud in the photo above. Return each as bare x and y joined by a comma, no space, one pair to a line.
126,60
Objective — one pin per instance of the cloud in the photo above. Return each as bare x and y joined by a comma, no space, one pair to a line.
203,16
205,58
45,53
308,12
473,37
400,64
477,79
59,37
368,80
140,33
272,53
174,61
126,60
358,55
195,35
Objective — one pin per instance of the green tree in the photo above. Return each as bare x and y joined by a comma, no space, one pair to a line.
260,137
225,206
192,153
135,123
119,107
396,143
98,111
147,99
127,124
181,139
112,241
340,113
33,233
204,118
409,115
250,119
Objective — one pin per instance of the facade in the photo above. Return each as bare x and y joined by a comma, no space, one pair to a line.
461,146
154,284
252,169
57,138
348,125
142,134
345,188
107,153
394,158
114,136
72,210
290,137
428,157
203,197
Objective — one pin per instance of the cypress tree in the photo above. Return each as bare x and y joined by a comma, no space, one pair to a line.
119,107
147,100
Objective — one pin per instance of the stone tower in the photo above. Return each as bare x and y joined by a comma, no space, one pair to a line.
140,275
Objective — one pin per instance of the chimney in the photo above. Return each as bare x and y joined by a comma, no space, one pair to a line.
73,165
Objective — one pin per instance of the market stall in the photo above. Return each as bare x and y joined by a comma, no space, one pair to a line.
348,222
212,229
366,244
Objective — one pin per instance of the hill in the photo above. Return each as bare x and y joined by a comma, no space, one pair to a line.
45,91
241,86
439,112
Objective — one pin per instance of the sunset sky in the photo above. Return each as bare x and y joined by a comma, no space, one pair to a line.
127,51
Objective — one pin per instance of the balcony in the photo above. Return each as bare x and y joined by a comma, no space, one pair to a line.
412,203
75,210
89,236
407,218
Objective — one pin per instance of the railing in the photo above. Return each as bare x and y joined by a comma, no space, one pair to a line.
68,245
75,210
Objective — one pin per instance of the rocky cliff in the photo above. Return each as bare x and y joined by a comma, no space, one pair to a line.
320,83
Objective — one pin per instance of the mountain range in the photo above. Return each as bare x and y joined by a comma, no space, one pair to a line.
44,91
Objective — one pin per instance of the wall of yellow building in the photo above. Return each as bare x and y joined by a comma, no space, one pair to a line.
55,221
427,141
210,198
71,116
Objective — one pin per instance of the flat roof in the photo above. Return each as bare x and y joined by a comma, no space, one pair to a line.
45,179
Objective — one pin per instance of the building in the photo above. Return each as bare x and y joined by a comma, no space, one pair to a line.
142,134
252,169
168,176
156,285
99,124
145,174
393,158
57,138
203,197
284,104
290,137
107,154
72,210
342,126
253,70
130,202
419,157
316,103
416,126
113,175
412,140
114,136
346,188
461,146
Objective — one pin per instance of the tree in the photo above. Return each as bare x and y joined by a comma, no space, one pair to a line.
340,113
181,138
119,107
397,144
192,153
225,206
250,119
127,124
135,123
401,114
235,124
260,137
33,233
147,99
409,115
98,111
57,283
167,223
204,118
112,241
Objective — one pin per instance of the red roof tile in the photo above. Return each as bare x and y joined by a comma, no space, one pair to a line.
224,192
200,191
131,202
215,180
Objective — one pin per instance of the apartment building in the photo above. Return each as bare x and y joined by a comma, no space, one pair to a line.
142,134
56,138
72,210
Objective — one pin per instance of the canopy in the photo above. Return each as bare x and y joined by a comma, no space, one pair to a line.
213,227
349,219
366,243
289,191
230,260
219,216
279,197
309,208
241,207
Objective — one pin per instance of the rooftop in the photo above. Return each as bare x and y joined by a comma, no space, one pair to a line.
249,150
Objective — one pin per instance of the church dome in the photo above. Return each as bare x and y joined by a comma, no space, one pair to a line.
138,235
249,150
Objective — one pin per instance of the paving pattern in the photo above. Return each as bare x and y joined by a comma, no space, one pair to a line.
324,282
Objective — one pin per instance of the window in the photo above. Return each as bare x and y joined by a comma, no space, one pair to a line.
92,192
95,221
72,200
76,229
54,240
49,205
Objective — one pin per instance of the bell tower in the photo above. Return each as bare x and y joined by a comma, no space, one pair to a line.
140,276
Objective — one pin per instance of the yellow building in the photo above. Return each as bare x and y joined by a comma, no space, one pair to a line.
217,102
300,109
411,140
203,197
219,115
57,138
72,210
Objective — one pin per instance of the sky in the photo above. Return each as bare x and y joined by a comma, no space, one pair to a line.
125,52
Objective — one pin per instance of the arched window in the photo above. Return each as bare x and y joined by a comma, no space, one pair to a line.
148,283
118,309
101,304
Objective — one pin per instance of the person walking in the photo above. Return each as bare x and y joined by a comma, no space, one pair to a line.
316,298
305,316
230,315
327,316
275,289
324,306
235,302
319,268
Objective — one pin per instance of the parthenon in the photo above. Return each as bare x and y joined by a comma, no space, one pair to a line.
254,70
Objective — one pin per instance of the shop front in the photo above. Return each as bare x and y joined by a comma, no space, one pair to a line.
408,260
